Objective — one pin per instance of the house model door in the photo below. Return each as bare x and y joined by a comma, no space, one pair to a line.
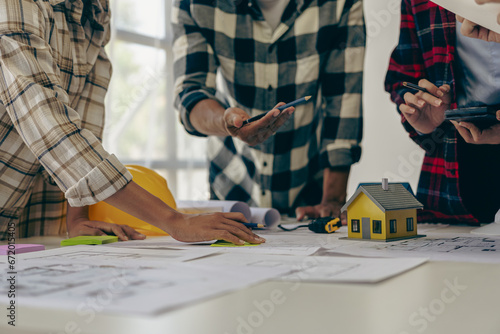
366,228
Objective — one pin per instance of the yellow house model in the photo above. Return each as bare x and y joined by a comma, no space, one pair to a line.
382,212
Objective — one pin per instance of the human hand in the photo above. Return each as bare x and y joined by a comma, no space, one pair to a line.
473,30
83,226
474,135
256,132
213,226
327,209
424,111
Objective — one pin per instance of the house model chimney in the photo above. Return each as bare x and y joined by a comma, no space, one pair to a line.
385,184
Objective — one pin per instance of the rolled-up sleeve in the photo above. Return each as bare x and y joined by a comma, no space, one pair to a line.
341,84
195,65
39,108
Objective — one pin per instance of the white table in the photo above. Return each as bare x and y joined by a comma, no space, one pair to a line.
422,300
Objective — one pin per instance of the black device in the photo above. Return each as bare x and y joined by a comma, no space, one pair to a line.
319,225
483,117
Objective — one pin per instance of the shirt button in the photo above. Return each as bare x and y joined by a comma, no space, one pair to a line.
264,164
263,193
270,88
249,3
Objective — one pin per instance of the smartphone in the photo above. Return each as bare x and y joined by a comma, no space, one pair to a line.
483,116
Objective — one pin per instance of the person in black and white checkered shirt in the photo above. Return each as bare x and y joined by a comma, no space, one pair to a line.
234,60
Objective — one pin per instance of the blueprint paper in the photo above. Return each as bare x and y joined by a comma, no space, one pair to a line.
457,247
322,268
82,280
277,243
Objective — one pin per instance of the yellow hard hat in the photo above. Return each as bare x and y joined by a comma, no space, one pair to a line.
147,179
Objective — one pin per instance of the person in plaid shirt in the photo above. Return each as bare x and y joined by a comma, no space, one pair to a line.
459,181
264,52
54,74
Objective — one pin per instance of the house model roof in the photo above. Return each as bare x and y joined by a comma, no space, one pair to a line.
397,197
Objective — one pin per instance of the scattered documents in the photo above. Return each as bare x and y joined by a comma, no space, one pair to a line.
321,268
484,15
89,282
435,246
120,256
277,243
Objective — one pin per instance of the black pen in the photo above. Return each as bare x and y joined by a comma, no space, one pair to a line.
415,87
283,107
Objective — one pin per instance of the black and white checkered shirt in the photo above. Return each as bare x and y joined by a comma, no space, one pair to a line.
318,49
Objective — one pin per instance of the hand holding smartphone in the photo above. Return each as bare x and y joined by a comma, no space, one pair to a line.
483,117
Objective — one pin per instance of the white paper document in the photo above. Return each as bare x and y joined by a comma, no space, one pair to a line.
321,268
277,243
435,246
89,282
121,256
484,15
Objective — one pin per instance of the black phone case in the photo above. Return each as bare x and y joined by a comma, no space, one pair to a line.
483,117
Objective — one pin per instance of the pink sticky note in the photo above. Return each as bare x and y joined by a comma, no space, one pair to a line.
20,248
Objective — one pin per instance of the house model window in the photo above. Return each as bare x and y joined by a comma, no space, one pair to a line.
377,226
409,224
355,225
393,226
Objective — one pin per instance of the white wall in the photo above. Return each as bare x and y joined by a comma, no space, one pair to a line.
387,149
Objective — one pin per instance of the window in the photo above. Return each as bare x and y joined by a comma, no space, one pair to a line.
355,225
392,226
377,226
141,124
409,224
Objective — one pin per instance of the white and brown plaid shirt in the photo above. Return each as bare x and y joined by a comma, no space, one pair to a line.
54,74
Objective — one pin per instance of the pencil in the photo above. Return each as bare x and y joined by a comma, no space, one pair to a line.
415,87
254,225
283,107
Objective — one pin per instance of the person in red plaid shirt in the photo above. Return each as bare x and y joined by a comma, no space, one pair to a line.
459,181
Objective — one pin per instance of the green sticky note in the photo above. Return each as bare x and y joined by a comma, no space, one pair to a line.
224,243
89,240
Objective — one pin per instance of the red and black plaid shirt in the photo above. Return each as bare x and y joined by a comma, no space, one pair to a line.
426,49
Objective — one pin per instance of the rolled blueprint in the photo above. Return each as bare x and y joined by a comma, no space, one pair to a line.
267,216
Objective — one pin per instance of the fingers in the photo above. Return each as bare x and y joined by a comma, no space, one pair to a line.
308,211
459,18
235,121
469,29
474,131
498,115
242,232
481,2
325,211
112,229
413,101
234,117
132,234
409,112
226,235
86,230
238,216
343,218
465,133
434,98
278,122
